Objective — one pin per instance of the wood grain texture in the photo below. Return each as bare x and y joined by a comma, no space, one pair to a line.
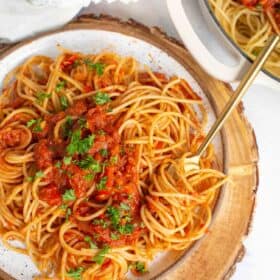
216,255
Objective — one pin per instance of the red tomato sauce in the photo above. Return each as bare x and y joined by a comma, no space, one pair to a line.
11,138
89,152
266,4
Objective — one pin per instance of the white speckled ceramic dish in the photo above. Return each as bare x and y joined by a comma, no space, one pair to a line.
93,41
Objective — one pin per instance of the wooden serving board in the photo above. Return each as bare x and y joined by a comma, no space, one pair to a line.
220,250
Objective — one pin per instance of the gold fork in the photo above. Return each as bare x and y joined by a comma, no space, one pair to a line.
192,163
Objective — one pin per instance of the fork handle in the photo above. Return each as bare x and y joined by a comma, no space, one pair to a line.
239,93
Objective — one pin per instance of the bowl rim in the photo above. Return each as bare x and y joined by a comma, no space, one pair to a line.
234,44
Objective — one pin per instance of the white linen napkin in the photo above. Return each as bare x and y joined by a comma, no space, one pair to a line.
24,18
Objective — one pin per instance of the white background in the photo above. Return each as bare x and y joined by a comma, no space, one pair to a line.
262,106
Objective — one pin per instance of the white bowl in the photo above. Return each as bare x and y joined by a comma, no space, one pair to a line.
202,53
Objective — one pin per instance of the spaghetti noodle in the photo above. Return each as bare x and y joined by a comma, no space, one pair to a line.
86,142
250,24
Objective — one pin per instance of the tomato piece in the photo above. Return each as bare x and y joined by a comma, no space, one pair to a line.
159,145
11,138
88,88
79,108
69,61
43,155
97,119
110,170
77,180
51,194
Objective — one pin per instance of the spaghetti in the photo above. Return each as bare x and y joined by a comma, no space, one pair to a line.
86,142
250,23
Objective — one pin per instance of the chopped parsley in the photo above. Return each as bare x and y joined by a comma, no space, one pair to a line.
75,274
59,86
140,267
102,184
103,152
69,195
90,163
100,222
114,159
68,213
124,206
57,164
78,145
98,67
89,241
126,229
64,102
100,256
66,128
67,160
36,124
114,215
101,132
31,122
101,98
41,96
114,236
82,122
37,175
89,176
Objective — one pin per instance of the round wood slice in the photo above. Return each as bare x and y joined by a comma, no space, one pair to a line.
218,252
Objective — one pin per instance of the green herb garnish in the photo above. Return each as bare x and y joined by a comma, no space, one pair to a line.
100,222
57,164
89,241
102,184
126,229
63,102
103,152
101,98
67,160
100,256
31,123
114,159
79,146
41,96
82,122
75,274
37,175
98,67
66,128
36,124
114,215
90,163
101,132
69,195
124,206
89,176
140,267
59,86
68,214
114,236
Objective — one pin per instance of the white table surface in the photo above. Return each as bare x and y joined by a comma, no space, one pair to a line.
262,105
